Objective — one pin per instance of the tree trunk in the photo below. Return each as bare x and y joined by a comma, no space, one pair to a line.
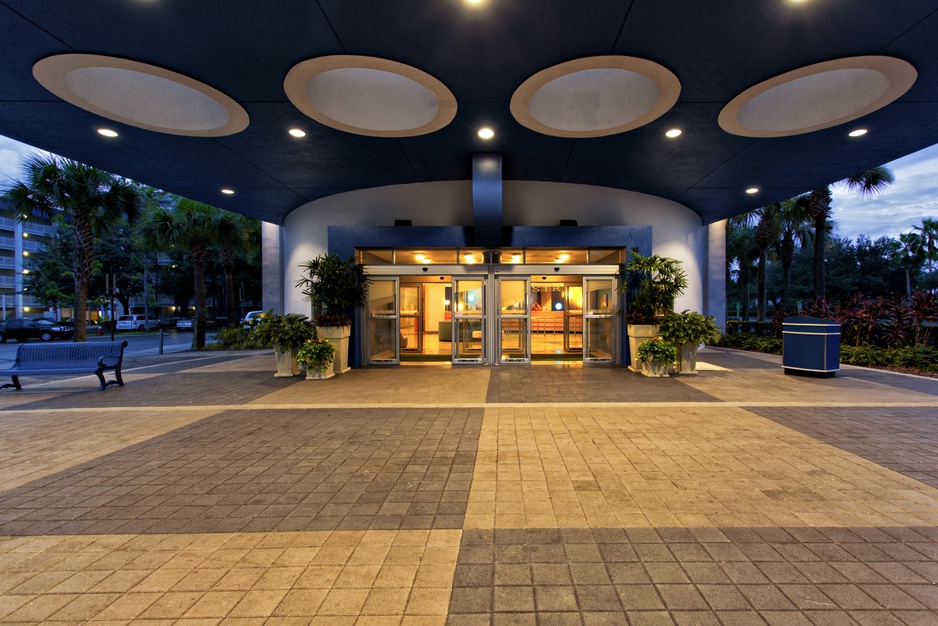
908,283
744,294
786,285
231,304
820,227
84,264
760,296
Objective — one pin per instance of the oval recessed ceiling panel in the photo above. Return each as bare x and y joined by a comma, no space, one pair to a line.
817,96
370,96
141,95
595,96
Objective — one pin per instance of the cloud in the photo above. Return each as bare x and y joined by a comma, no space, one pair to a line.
12,153
911,198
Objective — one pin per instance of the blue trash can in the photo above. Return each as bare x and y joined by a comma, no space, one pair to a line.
810,346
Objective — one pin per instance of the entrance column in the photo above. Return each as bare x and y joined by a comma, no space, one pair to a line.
272,267
715,298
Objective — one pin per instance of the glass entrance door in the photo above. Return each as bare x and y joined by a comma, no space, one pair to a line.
411,318
513,320
383,322
573,318
599,320
469,319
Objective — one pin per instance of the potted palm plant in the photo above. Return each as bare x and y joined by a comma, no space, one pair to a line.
656,356
316,357
336,288
286,333
687,330
653,282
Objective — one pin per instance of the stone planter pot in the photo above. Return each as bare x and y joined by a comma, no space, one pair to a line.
286,362
322,374
637,334
655,369
687,358
338,337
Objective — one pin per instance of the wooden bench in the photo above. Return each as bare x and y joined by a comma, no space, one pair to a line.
94,357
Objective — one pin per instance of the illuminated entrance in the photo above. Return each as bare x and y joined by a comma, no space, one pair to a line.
492,313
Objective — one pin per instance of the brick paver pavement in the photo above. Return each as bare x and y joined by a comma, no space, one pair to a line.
208,492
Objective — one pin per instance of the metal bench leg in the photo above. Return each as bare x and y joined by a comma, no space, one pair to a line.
117,375
15,383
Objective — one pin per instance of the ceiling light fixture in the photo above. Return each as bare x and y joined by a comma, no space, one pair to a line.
674,132
419,257
228,192
858,132
297,132
486,133
752,190
107,132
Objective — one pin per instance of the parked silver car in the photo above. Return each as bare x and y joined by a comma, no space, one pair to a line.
138,322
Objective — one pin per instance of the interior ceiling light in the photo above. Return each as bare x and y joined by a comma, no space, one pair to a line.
370,96
141,95
858,132
752,190
817,96
297,132
595,96
228,192
486,133
674,132
107,132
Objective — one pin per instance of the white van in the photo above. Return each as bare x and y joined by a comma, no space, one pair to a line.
137,322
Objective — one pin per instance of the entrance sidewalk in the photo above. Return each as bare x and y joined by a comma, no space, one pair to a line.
207,491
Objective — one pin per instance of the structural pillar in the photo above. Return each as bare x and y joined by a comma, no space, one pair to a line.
272,287
715,296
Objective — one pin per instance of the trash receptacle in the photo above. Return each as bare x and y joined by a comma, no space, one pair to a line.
810,346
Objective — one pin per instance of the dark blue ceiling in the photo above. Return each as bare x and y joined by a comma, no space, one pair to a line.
717,48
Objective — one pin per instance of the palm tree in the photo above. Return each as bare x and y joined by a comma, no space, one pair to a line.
232,237
741,252
912,254
793,220
92,201
867,183
928,231
767,229
189,226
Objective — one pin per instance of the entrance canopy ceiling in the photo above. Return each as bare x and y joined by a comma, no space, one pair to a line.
203,95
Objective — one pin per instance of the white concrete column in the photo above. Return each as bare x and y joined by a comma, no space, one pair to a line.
18,267
272,267
715,298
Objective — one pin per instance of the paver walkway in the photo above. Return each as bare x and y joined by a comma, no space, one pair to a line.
208,492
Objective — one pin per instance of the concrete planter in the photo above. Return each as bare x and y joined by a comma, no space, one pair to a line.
286,362
322,374
637,334
338,336
655,369
687,358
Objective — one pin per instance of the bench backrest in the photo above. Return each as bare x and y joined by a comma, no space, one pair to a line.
78,354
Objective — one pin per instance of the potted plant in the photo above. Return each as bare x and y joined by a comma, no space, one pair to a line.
336,288
656,356
687,330
286,333
651,283
316,356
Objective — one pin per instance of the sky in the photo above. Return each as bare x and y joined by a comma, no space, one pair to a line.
912,197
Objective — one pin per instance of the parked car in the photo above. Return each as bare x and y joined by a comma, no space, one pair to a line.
184,323
23,329
138,322
251,319
59,330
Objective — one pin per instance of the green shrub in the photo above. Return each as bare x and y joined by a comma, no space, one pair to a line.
657,350
689,327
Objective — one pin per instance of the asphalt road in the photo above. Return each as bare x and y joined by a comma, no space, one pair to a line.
138,344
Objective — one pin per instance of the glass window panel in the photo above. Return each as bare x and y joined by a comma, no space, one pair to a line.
513,297
376,257
468,339
382,338
469,297
605,257
471,257
382,298
599,299
514,337
600,338
410,334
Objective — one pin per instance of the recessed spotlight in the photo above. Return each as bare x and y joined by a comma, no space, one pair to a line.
674,132
419,257
486,133
296,132
228,192
475,3
858,132
752,190
107,132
